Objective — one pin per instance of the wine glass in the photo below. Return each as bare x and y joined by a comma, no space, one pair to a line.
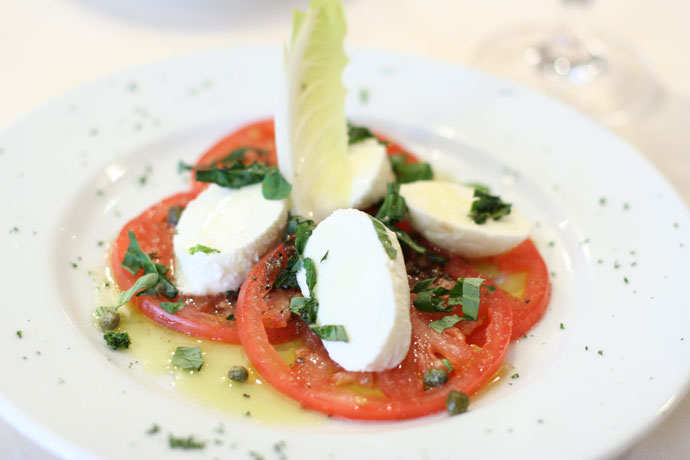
568,60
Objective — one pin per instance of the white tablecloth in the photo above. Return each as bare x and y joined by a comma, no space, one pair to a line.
50,46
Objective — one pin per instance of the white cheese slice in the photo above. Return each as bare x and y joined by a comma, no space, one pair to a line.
238,223
361,288
440,212
371,171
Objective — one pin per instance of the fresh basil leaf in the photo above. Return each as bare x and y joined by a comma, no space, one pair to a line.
410,172
393,209
332,333
293,223
407,240
444,323
430,300
420,286
188,358
163,287
466,293
236,175
117,340
203,249
305,308
310,268
487,206
302,234
144,282
235,155
182,167
384,239
136,259
325,256
275,187
172,307
357,134
287,278
435,258
448,365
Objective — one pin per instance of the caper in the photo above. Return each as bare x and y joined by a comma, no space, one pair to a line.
238,374
457,402
435,377
109,320
174,213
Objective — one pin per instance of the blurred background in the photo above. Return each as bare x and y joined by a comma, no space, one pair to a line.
624,62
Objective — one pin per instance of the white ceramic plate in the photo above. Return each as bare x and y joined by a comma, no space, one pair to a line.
612,231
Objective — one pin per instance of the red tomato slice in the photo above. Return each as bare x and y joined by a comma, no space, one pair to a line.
529,307
203,317
475,350
259,137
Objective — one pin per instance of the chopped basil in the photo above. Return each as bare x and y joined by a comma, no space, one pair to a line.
293,223
357,134
331,333
172,307
188,358
203,249
237,175
302,233
305,308
275,187
383,238
147,282
287,278
487,206
187,443
136,259
117,340
310,268
325,256
444,323
20,334
410,172
447,364
465,292
393,209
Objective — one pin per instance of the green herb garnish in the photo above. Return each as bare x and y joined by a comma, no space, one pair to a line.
188,358
136,259
383,238
331,333
465,292
203,249
487,206
305,308
302,234
117,340
410,172
274,186
172,307
287,278
357,134
185,443
310,268
444,323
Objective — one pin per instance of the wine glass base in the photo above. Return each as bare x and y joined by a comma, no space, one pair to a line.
606,81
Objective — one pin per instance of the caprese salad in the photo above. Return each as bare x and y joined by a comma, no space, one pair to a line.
391,285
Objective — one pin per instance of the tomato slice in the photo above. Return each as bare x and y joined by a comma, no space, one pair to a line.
203,316
474,349
257,137
526,262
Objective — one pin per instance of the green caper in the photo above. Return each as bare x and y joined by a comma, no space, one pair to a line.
238,373
109,320
435,377
457,402
174,213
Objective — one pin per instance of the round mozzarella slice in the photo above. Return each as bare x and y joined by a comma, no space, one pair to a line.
440,212
371,171
221,234
360,287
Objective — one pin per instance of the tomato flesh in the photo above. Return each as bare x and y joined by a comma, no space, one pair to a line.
530,306
474,349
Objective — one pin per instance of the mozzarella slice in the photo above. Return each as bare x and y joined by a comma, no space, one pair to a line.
361,288
439,211
238,223
371,171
